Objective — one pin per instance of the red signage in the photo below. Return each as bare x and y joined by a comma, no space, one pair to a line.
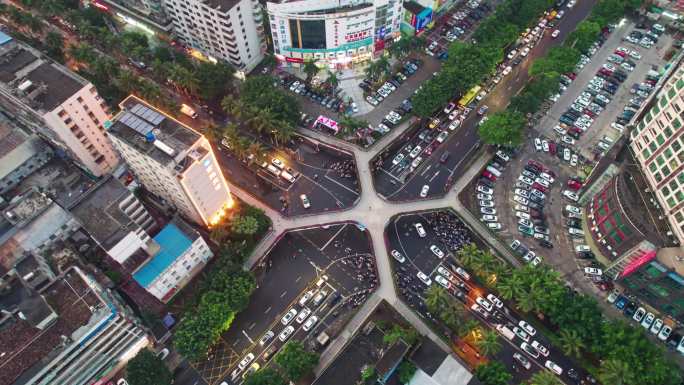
293,60
634,265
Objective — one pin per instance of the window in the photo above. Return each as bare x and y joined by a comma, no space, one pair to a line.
676,146
666,191
61,113
673,184
660,139
670,202
668,132
676,123
660,160
652,166
79,99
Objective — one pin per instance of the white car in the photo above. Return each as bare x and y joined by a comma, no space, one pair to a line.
442,281
306,297
488,210
310,323
593,271
278,163
424,278
522,193
485,189
507,70
486,204
443,271
453,125
512,54
639,315
496,301
524,51
572,209
547,177
305,201
567,139
484,303
303,315
545,145
543,350
537,144
436,251
424,191
246,361
464,274
494,226
664,333
521,200
419,229
522,208
555,33
648,321
286,333
570,195
397,159
442,136
489,218
521,334
397,255
484,197
522,215
525,180
552,366
527,327
288,317
657,325
635,55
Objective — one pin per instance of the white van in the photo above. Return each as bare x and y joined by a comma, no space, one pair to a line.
287,176
494,171
505,331
273,170
189,111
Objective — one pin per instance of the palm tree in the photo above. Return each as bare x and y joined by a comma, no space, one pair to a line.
571,342
333,81
255,148
127,81
544,377
83,53
615,372
511,287
469,255
467,327
436,299
310,69
489,344
371,70
283,133
526,301
383,65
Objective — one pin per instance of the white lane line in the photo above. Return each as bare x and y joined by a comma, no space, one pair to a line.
298,279
251,326
434,176
390,174
267,310
333,237
341,185
283,294
245,333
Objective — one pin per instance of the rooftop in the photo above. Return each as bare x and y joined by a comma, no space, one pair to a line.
100,214
27,207
173,242
224,5
24,347
151,131
16,146
37,80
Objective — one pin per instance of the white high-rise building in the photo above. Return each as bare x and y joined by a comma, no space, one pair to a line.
658,144
171,160
231,30
57,104
336,33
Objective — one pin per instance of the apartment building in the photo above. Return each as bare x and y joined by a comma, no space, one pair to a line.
57,104
658,144
171,160
70,331
230,30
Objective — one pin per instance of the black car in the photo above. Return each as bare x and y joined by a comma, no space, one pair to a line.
486,182
535,206
574,222
532,168
586,255
630,309
545,243
387,123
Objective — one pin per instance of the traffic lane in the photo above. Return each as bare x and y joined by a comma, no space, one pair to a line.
415,248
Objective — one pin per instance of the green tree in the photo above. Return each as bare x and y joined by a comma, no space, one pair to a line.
83,53
544,377
615,372
489,344
584,35
466,327
244,225
383,65
503,128
296,361
511,287
405,371
493,373
147,369
310,69
266,376
571,343
333,81
408,335
55,45
214,80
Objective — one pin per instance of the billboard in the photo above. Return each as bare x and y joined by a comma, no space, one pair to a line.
423,19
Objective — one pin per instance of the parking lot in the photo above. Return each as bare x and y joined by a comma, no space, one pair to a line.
546,217
326,176
398,182
445,231
332,265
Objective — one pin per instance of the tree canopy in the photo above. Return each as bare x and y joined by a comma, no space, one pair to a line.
296,361
266,376
147,369
493,373
503,128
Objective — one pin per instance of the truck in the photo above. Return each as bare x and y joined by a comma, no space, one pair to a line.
189,111
469,96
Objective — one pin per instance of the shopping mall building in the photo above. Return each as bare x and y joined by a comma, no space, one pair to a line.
335,33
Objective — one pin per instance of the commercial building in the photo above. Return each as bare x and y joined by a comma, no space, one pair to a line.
57,104
231,30
21,153
68,331
147,15
338,34
171,160
658,144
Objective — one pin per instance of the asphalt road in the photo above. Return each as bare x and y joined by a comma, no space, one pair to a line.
464,139
295,264
402,236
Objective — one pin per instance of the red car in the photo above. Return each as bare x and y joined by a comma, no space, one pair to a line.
552,148
539,187
573,184
605,72
571,75
620,53
589,112
489,176
534,163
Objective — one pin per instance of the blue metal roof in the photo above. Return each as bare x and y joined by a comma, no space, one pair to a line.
173,243
4,38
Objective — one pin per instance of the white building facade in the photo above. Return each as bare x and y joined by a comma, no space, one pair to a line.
172,161
658,144
231,30
336,33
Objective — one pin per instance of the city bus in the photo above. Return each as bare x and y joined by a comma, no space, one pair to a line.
469,96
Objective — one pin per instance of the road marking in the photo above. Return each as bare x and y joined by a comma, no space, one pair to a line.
390,174
283,294
434,176
341,185
298,279
267,310
426,170
245,333
252,326
333,237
